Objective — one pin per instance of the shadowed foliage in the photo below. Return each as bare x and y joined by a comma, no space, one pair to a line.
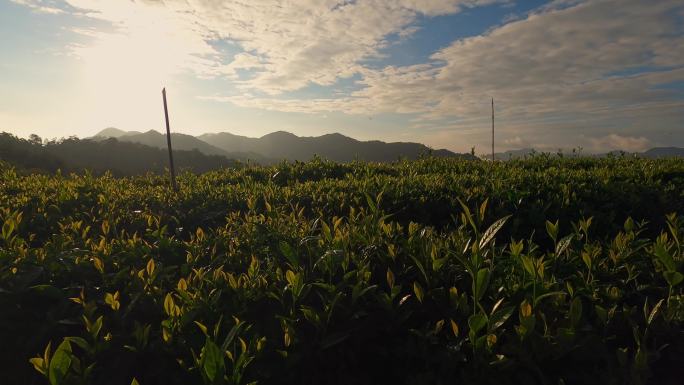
111,155
543,271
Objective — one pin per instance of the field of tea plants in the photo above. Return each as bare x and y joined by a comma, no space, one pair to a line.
435,271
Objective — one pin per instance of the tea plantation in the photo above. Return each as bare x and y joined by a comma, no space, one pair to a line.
435,271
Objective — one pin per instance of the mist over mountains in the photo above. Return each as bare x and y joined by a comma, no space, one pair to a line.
653,153
281,145
133,153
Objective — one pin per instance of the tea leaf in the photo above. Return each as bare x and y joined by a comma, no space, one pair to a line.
390,278
563,245
481,283
150,267
664,257
575,311
477,322
211,362
673,278
418,291
60,364
552,230
497,319
454,327
492,230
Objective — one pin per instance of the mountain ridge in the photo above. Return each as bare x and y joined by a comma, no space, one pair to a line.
653,153
283,145
121,158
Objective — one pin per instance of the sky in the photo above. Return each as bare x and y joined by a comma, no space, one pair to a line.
598,75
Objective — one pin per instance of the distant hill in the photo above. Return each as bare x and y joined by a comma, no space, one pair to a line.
512,154
178,142
112,132
119,157
663,152
337,147
155,139
656,152
281,145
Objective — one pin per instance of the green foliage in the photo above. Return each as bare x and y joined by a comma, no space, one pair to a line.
432,271
119,158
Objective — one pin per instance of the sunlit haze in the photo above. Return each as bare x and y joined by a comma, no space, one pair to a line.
601,75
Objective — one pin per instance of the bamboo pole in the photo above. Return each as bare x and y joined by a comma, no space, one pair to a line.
492,129
168,142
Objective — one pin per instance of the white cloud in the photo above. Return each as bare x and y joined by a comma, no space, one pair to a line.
557,74
516,142
292,44
566,63
619,142
557,61
41,6
241,61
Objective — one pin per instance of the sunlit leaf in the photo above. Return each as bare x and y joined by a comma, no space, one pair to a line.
418,291
491,231
60,364
211,361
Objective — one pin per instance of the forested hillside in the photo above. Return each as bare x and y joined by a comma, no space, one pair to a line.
119,158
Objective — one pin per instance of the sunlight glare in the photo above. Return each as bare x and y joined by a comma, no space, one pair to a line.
124,72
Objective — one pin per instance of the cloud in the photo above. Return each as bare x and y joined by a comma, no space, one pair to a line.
556,61
314,41
40,6
241,61
619,142
516,142
292,44
571,67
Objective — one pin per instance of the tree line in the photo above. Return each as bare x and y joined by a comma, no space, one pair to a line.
120,158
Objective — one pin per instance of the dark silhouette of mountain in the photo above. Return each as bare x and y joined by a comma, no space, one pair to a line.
664,152
119,157
155,139
654,153
112,132
337,147
28,154
281,145
178,142
227,141
511,154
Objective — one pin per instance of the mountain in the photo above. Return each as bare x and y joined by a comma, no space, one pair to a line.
337,147
654,153
512,154
121,158
153,138
281,145
664,152
179,142
112,132
227,141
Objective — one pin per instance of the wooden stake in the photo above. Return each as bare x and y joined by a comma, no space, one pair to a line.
168,142
492,129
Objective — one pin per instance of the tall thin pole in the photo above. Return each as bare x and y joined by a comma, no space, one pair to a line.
168,142
492,129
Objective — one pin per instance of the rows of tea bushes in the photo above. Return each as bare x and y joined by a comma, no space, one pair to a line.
543,271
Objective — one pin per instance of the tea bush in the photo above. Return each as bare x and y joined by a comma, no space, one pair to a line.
541,271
